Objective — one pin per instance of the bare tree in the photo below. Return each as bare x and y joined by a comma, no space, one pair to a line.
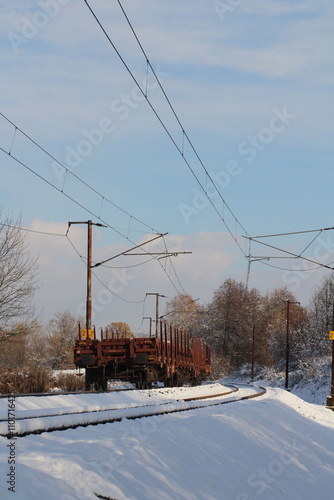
274,323
15,343
18,271
321,317
62,332
183,311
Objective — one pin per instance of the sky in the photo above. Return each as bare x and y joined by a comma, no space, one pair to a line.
244,150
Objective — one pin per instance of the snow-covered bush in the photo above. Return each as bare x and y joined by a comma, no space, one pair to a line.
25,380
68,381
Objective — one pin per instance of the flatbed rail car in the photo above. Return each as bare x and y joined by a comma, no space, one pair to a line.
172,357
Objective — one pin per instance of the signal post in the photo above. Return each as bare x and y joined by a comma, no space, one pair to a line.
330,399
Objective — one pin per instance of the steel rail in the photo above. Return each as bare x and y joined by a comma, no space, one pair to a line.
178,406
110,408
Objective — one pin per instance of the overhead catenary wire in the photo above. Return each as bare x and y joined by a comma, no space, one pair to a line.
71,198
31,230
127,267
294,255
291,254
98,279
293,232
290,269
172,266
78,253
184,134
68,171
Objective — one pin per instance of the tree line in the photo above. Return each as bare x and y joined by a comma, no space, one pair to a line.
239,320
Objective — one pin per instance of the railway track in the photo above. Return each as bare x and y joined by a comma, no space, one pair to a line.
49,421
64,393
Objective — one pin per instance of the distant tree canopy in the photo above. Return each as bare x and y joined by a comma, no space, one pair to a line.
321,316
14,351
121,329
183,311
61,332
227,323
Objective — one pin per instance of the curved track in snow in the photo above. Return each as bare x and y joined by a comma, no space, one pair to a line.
41,420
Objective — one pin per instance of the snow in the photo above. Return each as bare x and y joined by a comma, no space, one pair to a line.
135,404
273,447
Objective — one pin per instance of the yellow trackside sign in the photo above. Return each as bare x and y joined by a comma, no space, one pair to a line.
331,335
84,334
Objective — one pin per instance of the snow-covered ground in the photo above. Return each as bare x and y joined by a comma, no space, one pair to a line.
70,410
275,447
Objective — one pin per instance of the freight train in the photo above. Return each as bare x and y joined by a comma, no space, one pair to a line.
171,357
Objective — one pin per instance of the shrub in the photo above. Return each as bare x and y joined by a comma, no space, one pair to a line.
69,381
25,380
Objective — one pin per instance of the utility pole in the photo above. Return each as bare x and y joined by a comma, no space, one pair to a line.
157,295
330,399
89,277
89,271
148,317
253,352
288,302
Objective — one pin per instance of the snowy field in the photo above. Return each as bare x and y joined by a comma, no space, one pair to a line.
275,447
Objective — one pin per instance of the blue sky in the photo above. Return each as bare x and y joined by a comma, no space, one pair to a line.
251,82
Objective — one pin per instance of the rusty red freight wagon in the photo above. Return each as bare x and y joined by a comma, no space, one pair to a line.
172,357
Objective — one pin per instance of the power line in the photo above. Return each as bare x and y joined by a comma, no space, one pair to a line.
294,255
121,298
68,172
31,230
184,134
127,267
172,266
115,294
290,269
294,232
62,190
98,279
